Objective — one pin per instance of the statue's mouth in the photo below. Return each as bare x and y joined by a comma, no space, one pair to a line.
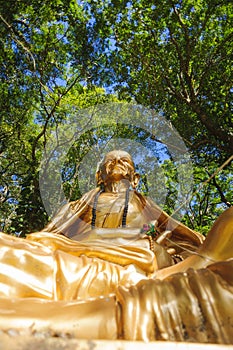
117,169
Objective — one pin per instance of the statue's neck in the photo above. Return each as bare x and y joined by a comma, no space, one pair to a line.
117,186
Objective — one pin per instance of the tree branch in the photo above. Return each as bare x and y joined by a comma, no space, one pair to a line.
222,196
220,134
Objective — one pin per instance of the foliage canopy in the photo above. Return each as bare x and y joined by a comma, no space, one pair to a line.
61,56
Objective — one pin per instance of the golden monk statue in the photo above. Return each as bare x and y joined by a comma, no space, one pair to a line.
113,265
116,211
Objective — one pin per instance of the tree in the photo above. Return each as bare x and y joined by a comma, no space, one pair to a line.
43,57
173,56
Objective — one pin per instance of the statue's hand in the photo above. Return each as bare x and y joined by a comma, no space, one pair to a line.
163,258
126,236
163,237
158,244
117,236
106,233
152,231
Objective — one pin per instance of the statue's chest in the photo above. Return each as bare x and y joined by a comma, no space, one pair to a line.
110,211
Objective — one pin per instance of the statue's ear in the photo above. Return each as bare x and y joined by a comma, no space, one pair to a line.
136,178
98,177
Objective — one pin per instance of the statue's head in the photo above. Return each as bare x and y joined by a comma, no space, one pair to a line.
117,165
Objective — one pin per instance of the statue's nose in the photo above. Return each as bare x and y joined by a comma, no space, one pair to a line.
117,160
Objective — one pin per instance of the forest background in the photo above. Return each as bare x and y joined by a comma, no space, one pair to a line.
62,56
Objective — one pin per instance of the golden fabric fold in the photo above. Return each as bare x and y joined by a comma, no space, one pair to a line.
194,306
92,319
82,278
97,289
143,258
53,267
26,269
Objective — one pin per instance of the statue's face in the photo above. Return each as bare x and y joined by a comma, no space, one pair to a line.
117,165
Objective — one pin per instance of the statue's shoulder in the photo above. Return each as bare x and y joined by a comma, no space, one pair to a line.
144,200
86,198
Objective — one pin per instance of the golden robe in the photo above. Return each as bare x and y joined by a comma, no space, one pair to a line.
74,219
97,289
